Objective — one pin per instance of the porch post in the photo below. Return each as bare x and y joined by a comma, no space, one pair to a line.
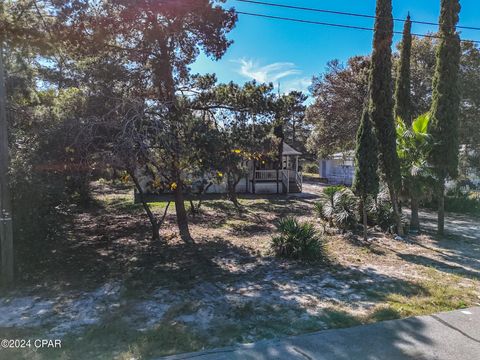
296,164
254,173
278,187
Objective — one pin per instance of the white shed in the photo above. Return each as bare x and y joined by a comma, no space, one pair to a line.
338,168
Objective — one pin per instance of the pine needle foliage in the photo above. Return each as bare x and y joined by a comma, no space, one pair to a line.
366,160
445,104
446,96
403,101
381,97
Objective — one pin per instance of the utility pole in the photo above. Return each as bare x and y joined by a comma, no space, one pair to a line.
6,231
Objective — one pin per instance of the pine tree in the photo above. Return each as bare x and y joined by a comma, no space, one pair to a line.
381,103
403,102
366,163
445,103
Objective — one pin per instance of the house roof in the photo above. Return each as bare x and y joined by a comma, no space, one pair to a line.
347,155
288,150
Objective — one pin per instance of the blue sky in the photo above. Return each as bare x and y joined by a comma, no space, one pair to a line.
290,53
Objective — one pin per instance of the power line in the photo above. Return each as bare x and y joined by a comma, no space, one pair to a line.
340,25
348,13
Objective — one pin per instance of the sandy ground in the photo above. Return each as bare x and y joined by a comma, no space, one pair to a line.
230,289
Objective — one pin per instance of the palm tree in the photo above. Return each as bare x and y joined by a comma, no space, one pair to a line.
413,145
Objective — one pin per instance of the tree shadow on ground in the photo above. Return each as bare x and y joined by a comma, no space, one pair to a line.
216,305
243,297
272,299
182,265
94,248
355,238
457,252
217,293
104,241
441,266
402,340
282,206
252,218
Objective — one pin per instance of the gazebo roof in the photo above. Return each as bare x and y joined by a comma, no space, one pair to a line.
288,150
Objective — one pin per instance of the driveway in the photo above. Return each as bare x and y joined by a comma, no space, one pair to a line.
311,189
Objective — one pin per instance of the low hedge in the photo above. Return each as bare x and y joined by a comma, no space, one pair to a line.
458,204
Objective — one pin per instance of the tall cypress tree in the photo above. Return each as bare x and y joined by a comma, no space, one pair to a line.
403,101
381,103
403,105
445,103
366,163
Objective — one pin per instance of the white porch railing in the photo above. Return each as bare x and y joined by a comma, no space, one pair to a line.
272,174
284,176
266,175
299,180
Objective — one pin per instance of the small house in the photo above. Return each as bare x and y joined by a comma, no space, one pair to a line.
338,168
262,177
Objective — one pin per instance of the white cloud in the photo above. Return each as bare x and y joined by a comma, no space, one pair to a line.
278,72
267,73
298,84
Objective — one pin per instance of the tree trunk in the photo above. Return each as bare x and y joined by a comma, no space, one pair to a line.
365,219
153,221
193,210
164,215
6,222
200,201
166,93
396,211
182,219
231,189
415,220
441,207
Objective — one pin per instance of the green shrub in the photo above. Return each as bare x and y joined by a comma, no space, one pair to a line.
325,205
332,190
311,168
339,206
324,208
463,203
380,211
297,240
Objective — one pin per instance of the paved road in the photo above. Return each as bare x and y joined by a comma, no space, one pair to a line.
447,336
462,226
